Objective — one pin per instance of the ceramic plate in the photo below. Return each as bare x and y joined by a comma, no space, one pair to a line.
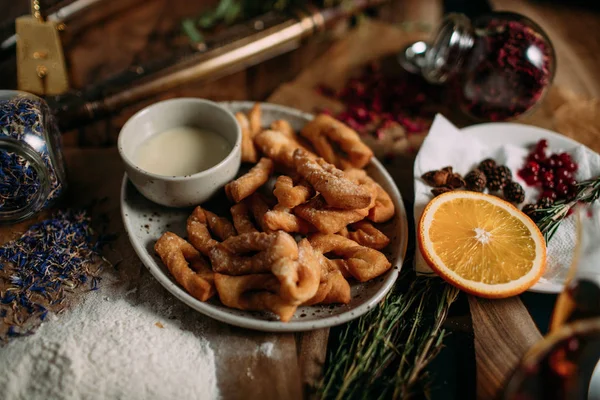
526,136
146,221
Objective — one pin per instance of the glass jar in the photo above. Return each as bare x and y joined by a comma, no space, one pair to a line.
497,66
32,173
564,365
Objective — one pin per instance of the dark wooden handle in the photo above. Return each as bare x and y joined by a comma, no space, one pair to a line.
504,331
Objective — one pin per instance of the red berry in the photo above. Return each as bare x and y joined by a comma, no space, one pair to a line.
562,173
548,184
532,166
537,157
542,144
361,113
532,180
565,158
528,177
571,166
552,162
572,185
548,194
547,176
562,190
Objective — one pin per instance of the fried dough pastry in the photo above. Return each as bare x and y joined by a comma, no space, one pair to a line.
219,226
259,207
324,130
338,289
362,262
295,266
221,259
249,153
365,234
290,195
285,245
256,292
340,265
248,183
198,233
279,147
299,278
252,253
384,208
255,117
336,189
241,218
186,265
281,218
328,219
333,287
284,127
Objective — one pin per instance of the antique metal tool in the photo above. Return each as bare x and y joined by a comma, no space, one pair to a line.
246,45
40,61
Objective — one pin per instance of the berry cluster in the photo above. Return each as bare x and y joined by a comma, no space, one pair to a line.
553,173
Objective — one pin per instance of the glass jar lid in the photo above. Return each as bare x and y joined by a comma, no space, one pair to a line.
445,55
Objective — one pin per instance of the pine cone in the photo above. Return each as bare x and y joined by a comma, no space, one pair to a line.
530,210
487,166
505,173
544,202
475,180
498,178
514,192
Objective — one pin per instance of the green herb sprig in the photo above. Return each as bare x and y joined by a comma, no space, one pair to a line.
549,219
384,354
229,12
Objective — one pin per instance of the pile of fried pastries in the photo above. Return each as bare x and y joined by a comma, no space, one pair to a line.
296,242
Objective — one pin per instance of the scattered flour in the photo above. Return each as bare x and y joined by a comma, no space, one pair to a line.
267,348
108,348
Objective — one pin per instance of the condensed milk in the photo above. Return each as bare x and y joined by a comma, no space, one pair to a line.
182,151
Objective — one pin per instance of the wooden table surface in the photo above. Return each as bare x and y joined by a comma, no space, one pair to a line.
142,30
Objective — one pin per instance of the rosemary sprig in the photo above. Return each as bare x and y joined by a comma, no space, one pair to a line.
549,219
383,354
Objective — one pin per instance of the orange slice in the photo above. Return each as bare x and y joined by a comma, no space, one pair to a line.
481,244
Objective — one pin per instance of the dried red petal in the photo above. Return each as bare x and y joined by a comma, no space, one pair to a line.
373,100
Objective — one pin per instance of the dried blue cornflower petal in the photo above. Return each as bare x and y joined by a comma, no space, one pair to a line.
8,298
52,258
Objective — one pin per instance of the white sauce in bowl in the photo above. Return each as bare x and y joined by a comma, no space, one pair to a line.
181,151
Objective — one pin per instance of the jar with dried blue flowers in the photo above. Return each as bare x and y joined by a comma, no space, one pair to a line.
32,172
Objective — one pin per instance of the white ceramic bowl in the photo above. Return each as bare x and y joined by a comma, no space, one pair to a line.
189,190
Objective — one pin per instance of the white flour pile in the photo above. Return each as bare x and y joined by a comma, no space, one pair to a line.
267,348
107,348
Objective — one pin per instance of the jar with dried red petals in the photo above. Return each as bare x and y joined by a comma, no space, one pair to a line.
498,65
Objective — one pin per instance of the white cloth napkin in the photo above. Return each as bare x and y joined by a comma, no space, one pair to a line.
446,145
